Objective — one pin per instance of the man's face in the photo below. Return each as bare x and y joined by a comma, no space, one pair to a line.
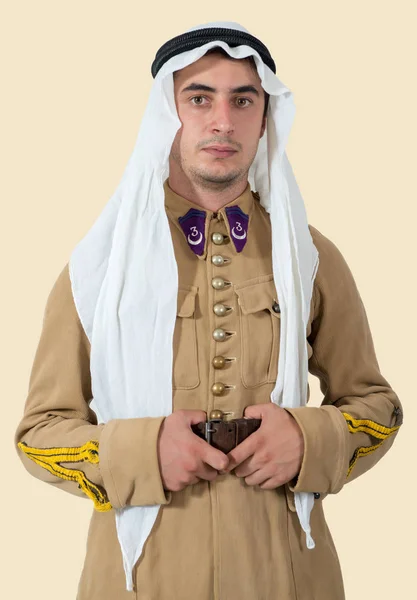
220,104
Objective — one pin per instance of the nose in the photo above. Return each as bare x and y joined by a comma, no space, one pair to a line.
222,118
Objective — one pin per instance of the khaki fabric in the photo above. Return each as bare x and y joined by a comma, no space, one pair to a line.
223,540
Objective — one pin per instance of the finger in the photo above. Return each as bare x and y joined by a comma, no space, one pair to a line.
242,451
194,480
206,472
192,417
255,411
270,484
247,467
212,457
258,477
260,411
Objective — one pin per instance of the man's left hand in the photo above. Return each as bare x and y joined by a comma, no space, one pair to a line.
272,455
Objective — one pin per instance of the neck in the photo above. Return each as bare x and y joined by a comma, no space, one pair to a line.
209,196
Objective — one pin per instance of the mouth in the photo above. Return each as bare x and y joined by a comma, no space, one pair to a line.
220,151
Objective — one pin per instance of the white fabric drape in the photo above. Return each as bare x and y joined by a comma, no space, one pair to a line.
124,276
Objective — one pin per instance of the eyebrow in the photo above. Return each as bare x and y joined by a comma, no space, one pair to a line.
200,87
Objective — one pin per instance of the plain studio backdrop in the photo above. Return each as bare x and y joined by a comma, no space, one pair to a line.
75,82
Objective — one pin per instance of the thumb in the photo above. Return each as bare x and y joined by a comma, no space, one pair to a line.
254,411
192,417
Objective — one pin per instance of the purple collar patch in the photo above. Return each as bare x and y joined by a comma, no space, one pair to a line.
238,223
193,225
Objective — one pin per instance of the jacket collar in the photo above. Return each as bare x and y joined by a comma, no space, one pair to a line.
192,219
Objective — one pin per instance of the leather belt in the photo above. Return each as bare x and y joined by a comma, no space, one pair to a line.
226,435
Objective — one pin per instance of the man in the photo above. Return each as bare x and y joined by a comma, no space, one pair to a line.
229,527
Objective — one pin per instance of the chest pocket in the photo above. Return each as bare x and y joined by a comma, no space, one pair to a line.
260,331
186,373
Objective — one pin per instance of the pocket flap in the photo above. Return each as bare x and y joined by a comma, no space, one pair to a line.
256,297
186,301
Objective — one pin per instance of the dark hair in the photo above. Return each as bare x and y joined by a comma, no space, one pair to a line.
250,59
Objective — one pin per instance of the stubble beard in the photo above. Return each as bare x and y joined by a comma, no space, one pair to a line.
206,179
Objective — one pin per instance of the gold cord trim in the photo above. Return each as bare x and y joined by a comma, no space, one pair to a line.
370,427
48,458
362,451
375,430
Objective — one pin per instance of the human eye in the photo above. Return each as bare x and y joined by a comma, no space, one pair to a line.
246,102
197,98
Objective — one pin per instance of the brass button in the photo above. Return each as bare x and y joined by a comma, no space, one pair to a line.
217,260
219,335
218,283
216,415
220,310
276,308
217,238
218,388
219,362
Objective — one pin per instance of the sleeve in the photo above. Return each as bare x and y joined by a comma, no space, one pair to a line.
360,414
58,439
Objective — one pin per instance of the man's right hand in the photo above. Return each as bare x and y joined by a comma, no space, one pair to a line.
185,458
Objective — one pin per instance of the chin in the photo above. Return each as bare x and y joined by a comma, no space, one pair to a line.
218,177
216,173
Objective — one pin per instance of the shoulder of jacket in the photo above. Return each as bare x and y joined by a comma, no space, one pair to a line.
333,271
319,239
61,288
60,300
326,247
60,310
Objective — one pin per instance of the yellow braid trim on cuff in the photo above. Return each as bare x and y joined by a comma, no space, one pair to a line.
373,429
48,458
362,451
370,427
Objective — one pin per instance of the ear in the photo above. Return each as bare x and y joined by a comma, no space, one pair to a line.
263,126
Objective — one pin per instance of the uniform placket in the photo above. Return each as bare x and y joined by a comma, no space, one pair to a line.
223,373
223,309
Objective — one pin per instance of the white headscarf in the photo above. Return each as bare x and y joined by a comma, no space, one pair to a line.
125,281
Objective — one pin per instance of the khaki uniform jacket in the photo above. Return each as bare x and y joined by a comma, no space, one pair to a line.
221,540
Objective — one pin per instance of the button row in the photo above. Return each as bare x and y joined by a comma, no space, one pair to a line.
219,334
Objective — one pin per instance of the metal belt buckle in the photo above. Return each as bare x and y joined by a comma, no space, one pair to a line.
216,416
208,431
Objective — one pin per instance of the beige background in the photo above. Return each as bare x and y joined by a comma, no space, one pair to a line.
76,78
